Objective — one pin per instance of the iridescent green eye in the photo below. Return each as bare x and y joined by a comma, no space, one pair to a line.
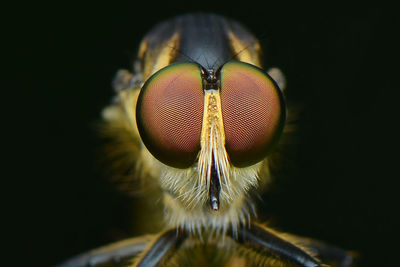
169,114
253,112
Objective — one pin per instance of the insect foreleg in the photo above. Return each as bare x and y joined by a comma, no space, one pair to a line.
124,79
162,248
264,239
278,77
114,253
329,254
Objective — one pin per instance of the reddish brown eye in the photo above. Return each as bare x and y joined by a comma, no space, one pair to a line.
253,112
169,114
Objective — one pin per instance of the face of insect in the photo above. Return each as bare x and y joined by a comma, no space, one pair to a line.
211,128
206,116
199,118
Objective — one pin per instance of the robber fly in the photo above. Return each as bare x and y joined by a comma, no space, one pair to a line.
199,116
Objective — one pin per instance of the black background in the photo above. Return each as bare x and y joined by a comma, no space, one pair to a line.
339,184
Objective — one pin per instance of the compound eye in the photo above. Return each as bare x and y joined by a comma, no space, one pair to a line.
169,114
253,112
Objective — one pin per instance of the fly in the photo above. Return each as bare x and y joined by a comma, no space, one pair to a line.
199,116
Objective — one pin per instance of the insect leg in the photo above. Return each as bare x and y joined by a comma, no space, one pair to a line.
162,248
124,79
113,253
278,77
262,238
327,253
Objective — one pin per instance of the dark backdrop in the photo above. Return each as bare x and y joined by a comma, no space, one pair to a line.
338,186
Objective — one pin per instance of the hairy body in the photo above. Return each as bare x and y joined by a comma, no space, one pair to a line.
198,119
210,41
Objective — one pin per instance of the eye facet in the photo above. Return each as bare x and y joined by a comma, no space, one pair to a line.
169,114
253,112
